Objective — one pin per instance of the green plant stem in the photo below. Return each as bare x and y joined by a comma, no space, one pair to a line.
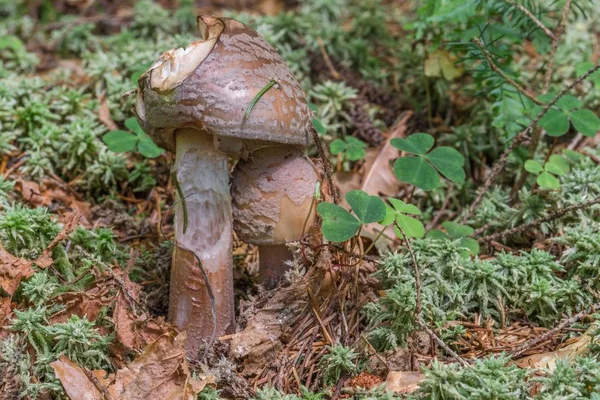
416,268
255,99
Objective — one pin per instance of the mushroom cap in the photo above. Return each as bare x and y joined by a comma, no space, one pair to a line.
210,84
272,194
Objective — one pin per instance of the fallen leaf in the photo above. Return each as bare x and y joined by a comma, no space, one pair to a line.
403,382
50,191
440,63
134,328
160,372
570,352
379,178
76,382
104,113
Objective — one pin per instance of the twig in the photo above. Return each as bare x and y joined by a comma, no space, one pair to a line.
558,32
326,165
526,92
550,217
516,352
441,343
532,17
417,273
336,75
518,139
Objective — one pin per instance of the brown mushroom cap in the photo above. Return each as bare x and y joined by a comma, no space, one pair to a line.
272,195
210,84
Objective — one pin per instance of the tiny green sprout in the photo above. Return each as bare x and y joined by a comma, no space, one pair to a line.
121,141
568,110
351,148
455,231
340,225
422,166
399,213
547,174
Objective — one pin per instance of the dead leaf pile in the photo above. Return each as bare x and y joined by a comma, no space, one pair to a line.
160,372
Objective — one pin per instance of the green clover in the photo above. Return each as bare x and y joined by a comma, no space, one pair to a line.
340,225
547,174
423,169
352,148
568,110
455,231
400,213
122,141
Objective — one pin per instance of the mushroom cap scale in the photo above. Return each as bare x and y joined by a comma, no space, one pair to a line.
210,84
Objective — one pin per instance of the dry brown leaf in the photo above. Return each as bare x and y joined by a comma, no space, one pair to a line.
379,178
14,269
569,352
133,328
50,191
403,382
160,372
104,113
76,382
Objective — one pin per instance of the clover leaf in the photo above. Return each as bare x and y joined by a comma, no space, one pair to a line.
352,148
455,231
121,141
568,110
422,167
340,225
547,173
397,213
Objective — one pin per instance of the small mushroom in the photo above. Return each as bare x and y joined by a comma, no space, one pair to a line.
203,103
273,194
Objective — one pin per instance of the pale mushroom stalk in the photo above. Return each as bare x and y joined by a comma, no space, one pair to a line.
202,174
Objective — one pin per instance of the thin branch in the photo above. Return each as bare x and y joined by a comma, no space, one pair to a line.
488,57
550,217
441,343
558,32
518,139
532,17
516,352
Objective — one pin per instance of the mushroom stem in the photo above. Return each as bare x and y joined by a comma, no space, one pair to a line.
272,264
203,176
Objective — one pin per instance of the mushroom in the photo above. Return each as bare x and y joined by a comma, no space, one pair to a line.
273,194
220,97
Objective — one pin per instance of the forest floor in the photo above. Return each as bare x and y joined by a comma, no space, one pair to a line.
478,279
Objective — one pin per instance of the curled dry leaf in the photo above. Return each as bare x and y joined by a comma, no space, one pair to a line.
160,372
